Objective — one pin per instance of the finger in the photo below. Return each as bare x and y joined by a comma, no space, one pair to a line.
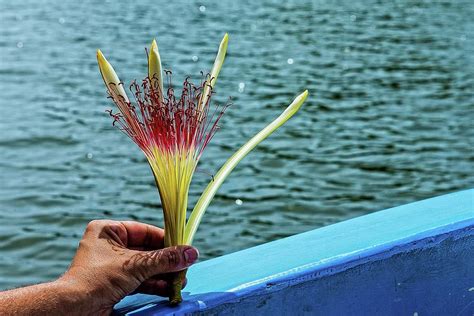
171,259
167,278
96,226
154,287
107,229
157,287
143,236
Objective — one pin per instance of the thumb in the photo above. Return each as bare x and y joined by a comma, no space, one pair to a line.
171,259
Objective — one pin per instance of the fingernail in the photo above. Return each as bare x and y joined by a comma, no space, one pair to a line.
191,255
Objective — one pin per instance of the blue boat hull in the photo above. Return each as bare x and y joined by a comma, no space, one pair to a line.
415,259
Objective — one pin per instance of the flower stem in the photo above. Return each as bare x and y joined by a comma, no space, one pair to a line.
177,280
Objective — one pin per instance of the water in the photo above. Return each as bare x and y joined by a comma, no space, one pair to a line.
389,119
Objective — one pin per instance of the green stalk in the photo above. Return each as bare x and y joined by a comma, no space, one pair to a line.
211,189
177,281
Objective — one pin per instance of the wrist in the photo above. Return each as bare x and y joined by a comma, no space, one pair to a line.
80,296
60,297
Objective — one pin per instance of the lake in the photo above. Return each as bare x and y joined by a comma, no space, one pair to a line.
389,119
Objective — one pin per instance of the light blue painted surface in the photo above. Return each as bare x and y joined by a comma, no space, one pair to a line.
423,231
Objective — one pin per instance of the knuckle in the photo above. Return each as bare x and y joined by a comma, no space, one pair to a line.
94,223
90,227
95,226
99,223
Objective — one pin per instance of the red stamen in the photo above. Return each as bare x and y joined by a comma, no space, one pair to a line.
165,122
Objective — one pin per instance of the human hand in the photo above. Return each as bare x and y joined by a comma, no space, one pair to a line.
115,259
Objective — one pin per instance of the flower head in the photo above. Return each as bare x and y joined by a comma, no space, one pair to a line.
165,122
172,131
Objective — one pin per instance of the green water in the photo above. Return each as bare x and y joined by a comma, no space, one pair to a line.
389,119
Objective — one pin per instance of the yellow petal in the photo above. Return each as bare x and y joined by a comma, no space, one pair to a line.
111,80
216,68
154,66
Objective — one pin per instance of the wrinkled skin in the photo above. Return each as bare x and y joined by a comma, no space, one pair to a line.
114,259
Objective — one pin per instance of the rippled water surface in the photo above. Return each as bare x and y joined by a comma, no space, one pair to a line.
389,119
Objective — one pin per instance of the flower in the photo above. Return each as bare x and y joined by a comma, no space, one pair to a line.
172,132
